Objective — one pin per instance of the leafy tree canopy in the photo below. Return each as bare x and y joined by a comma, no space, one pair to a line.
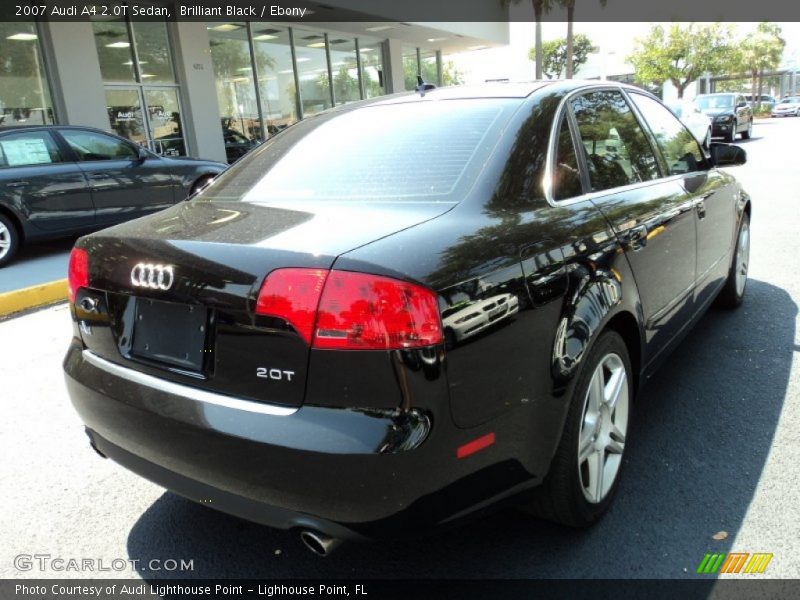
682,53
554,55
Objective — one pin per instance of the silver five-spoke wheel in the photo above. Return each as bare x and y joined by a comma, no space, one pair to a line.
605,423
742,257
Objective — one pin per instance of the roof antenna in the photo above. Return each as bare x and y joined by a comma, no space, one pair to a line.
423,87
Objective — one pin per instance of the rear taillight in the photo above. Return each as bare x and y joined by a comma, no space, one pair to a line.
340,310
78,273
367,312
293,295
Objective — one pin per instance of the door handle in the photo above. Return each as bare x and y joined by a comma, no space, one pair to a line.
99,176
637,237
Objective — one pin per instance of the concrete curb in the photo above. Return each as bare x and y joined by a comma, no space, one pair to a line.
31,297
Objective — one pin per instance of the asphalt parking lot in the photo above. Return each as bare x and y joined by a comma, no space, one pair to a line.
715,447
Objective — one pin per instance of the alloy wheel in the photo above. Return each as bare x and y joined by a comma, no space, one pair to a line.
5,240
603,429
742,257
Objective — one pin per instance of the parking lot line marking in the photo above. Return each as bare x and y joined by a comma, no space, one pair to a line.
31,297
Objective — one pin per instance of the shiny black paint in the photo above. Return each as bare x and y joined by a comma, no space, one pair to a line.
371,448
72,197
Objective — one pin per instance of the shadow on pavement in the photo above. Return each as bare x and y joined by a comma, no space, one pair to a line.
703,431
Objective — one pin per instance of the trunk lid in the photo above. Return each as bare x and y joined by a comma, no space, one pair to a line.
173,294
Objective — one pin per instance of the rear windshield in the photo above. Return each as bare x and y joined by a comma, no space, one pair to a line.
428,151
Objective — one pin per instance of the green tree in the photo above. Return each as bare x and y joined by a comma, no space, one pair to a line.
682,53
450,73
555,55
761,50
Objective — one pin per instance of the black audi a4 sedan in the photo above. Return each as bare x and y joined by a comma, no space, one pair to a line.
398,313
57,181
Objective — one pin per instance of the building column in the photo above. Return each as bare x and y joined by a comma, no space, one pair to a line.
74,71
195,72
394,74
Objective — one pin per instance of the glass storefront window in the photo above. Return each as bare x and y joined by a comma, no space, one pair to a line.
427,63
164,117
125,114
344,66
410,67
372,67
312,71
152,50
24,92
115,51
273,54
236,90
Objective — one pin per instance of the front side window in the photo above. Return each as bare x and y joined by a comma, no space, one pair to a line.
680,149
91,146
28,148
566,176
615,146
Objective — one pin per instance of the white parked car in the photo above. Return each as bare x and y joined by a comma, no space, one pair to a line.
694,119
789,106
469,318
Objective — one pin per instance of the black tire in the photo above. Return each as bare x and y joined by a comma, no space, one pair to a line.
747,133
731,136
200,183
731,294
561,498
9,240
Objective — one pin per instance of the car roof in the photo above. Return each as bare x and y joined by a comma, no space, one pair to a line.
495,89
17,127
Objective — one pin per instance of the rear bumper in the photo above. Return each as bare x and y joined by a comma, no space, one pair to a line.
344,472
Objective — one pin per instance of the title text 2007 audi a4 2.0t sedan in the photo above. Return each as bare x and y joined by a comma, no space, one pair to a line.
275,346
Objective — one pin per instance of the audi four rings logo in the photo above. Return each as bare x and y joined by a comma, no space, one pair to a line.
157,277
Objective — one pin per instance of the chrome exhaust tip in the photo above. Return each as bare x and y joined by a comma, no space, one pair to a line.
319,543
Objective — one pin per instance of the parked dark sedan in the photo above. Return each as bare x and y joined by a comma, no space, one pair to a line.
58,181
274,348
730,115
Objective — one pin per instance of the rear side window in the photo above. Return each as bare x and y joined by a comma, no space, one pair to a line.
680,149
90,146
616,148
427,151
28,148
566,175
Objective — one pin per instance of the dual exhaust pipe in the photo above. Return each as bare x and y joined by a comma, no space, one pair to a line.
319,543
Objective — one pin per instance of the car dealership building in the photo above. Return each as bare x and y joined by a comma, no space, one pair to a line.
214,88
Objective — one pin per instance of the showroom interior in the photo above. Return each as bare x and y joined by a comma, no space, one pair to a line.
214,89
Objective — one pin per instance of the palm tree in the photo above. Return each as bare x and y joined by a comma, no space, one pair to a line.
570,6
540,8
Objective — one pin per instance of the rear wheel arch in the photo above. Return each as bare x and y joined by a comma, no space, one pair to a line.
15,221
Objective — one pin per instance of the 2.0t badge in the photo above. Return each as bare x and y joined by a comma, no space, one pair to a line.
149,275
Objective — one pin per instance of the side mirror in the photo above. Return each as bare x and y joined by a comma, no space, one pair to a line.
141,154
727,155
741,105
